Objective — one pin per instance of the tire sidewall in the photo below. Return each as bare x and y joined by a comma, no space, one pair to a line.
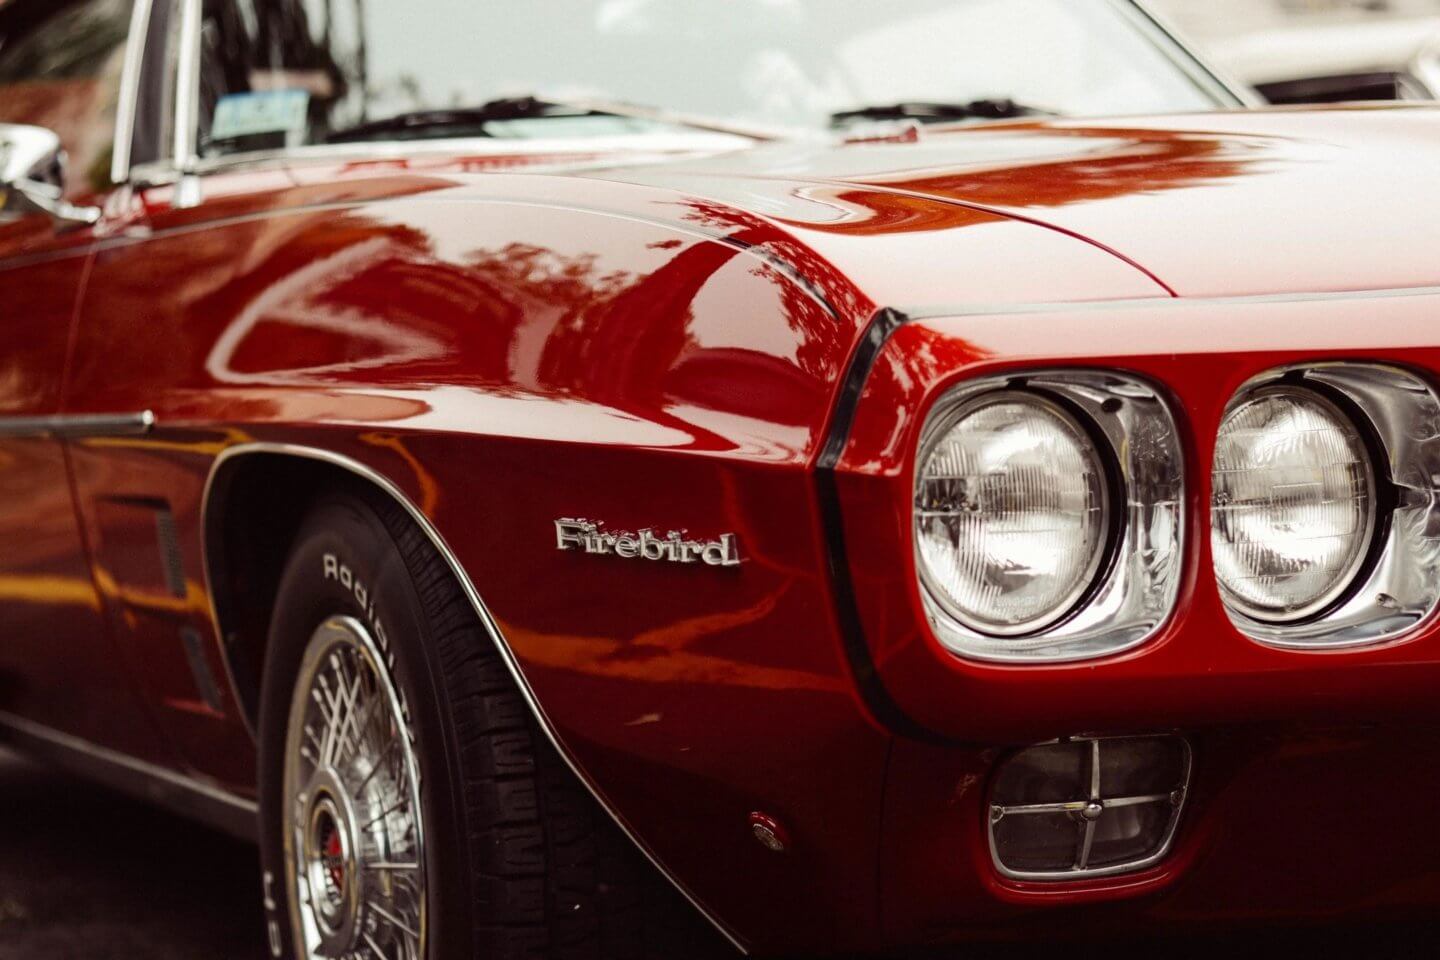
345,562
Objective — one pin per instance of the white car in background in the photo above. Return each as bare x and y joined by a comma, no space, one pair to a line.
1339,61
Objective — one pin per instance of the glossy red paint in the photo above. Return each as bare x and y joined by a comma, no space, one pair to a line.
1199,670
664,344
52,628
1258,713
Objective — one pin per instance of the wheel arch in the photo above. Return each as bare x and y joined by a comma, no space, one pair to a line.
242,575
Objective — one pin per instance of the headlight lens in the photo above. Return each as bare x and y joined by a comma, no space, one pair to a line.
1011,513
1293,508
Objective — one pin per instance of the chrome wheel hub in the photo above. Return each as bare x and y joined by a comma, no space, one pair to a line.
354,840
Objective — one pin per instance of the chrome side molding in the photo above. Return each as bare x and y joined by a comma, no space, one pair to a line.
79,426
201,801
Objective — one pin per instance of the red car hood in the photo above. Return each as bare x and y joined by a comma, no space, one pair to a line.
1212,205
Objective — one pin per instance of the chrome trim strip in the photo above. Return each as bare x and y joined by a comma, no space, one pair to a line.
1076,806
943,311
1200,68
390,489
605,148
79,426
187,86
208,802
128,107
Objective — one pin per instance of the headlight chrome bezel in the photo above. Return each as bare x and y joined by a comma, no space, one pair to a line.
1397,585
1135,581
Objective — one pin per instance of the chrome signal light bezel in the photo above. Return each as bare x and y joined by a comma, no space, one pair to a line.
1134,589
1089,808
1397,586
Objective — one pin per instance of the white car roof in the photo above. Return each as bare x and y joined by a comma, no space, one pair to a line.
1331,49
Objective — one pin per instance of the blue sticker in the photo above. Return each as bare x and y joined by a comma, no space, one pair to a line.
269,111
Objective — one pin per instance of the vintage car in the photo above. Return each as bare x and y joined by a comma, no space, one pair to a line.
651,477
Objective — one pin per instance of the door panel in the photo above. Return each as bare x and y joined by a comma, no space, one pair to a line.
59,68
141,496
57,664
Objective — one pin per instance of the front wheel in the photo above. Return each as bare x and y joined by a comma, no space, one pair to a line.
353,824
411,809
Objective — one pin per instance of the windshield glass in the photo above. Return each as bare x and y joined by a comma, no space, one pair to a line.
291,72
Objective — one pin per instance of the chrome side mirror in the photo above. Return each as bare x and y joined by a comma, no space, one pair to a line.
32,177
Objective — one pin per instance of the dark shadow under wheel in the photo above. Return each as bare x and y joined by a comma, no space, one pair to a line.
410,806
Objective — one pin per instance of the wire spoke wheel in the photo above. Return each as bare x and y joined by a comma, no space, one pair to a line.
353,831
410,805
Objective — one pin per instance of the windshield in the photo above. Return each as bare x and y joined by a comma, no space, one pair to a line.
292,72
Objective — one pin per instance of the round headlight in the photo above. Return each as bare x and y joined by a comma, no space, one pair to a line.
1293,508
1011,513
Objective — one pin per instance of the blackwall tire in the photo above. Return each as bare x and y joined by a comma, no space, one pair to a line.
510,855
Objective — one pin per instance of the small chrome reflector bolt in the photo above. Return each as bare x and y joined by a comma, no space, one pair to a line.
768,831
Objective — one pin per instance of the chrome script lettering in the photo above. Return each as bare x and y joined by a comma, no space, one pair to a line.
646,545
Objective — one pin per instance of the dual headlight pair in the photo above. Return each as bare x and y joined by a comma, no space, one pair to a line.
1049,511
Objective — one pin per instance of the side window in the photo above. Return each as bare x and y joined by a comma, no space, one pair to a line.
273,71
60,66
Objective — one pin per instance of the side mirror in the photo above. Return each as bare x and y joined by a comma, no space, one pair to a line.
32,177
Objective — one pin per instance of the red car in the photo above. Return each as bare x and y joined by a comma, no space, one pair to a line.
617,476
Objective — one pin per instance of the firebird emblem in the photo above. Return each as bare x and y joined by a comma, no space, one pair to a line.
645,545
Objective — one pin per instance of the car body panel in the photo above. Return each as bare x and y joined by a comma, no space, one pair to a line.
1200,669
1274,732
484,342
52,627
1185,198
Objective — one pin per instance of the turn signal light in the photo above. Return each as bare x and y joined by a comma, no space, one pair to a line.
1087,807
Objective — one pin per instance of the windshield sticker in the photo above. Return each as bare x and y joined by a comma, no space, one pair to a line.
264,112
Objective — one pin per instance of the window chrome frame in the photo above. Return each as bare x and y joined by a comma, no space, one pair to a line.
1201,70
123,169
1401,589
1135,593
1081,871
187,88
129,102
